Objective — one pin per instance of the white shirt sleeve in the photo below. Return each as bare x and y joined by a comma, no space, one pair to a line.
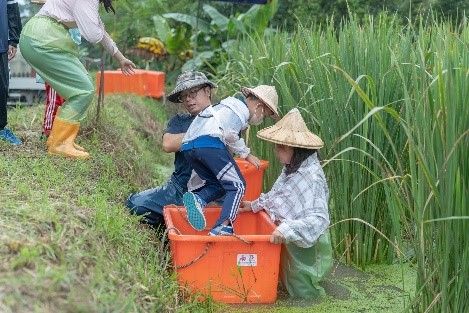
86,15
232,126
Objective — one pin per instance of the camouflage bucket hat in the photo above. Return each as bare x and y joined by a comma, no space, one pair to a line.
188,80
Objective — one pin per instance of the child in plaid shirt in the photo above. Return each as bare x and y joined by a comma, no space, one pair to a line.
298,204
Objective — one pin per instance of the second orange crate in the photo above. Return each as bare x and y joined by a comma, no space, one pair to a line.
143,82
253,176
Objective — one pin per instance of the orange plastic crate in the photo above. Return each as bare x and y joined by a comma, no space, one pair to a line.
143,83
224,267
253,178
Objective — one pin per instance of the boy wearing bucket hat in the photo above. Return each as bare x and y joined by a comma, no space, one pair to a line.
150,203
209,145
298,204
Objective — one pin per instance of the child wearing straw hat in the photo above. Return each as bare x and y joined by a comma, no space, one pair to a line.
298,204
209,145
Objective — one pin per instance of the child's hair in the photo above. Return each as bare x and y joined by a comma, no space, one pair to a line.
108,5
251,96
299,155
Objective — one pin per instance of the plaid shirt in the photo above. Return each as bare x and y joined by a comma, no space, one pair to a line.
299,202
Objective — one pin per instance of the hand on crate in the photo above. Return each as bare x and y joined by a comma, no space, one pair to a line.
245,206
277,237
254,160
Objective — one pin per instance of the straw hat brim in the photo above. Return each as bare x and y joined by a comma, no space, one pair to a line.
246,91
291,131
281,136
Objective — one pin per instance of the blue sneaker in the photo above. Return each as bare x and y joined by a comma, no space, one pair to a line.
221,230
8,136
194,207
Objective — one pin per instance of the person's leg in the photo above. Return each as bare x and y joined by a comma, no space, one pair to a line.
53,102
218,168
3,89
5,134
58,64
211,189
195,201
302,269
64,73
150,202
232,181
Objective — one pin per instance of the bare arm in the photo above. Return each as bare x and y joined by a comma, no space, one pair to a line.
127,66
172,142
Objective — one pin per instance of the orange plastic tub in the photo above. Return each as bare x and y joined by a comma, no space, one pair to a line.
143,83
253,177
225,268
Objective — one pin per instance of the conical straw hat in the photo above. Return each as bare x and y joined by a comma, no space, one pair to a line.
266,94
292,131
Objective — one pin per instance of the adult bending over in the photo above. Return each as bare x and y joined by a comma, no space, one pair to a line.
48,47
297,203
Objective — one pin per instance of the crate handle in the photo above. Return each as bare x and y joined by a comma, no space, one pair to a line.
207,246
196,259
187,220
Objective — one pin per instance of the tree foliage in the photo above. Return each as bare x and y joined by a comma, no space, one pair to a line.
307,12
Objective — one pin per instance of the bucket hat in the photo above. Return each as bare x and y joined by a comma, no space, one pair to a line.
266,94
291,131
188,80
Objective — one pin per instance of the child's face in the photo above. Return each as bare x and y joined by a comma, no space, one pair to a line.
258,111
284,153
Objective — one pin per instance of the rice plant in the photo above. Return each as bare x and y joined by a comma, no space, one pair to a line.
390,102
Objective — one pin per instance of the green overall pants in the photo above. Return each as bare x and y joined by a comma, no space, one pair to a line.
48,47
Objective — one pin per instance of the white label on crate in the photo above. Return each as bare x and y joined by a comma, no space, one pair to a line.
247,259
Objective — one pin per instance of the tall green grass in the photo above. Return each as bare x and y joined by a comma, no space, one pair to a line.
390,102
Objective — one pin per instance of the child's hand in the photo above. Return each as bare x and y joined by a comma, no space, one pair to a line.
277,237
245,206
253,160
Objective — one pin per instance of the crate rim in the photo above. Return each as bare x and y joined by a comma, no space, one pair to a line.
173,235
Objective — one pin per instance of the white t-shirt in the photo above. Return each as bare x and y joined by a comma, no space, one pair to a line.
82,14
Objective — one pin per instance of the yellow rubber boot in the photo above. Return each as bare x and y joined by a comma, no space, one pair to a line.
62,137
80,148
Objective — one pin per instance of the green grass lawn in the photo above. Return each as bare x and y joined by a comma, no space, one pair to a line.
68,243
